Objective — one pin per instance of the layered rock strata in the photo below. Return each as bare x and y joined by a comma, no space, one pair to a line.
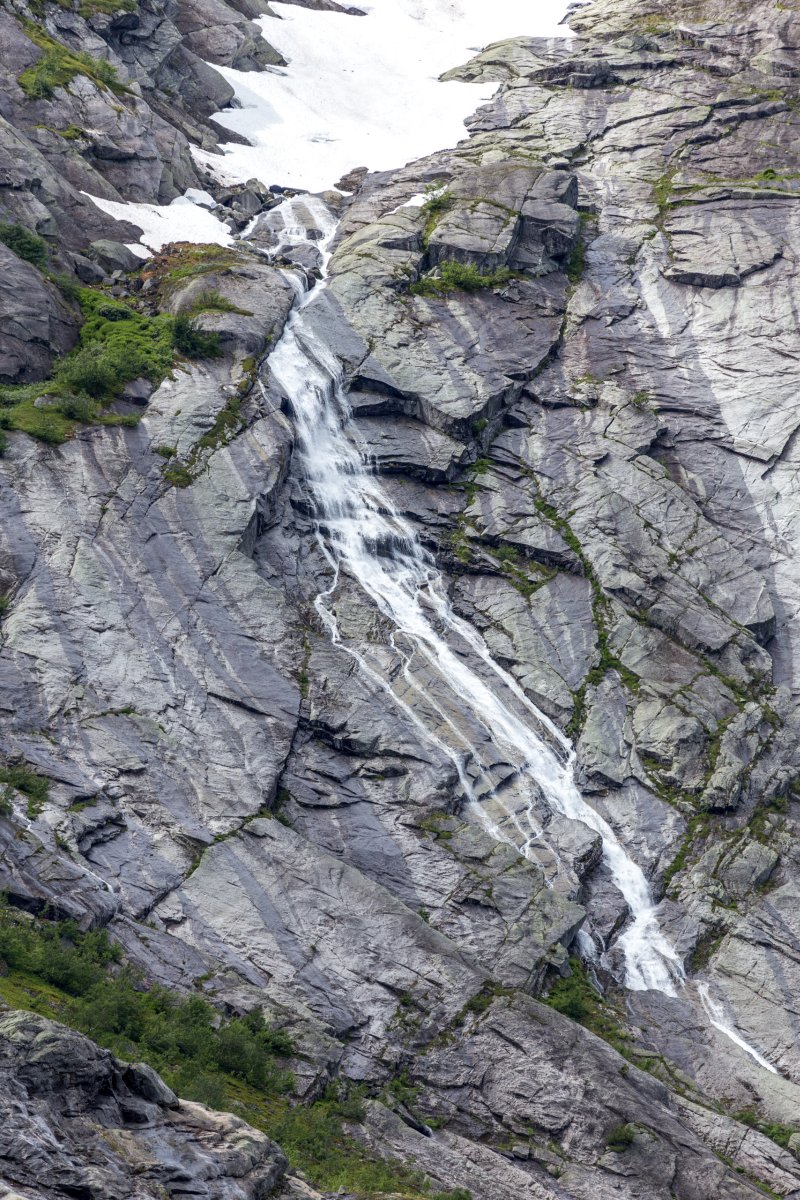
597,444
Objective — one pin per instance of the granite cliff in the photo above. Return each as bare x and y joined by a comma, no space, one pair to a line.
573,365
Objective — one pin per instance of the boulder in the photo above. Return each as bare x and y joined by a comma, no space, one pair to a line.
78,1121
114,256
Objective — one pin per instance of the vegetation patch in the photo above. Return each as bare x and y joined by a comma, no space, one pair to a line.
192,341
438,200
228,422
459,277
236,1064
576,263
213,301
22,778
621,1137
776,1132
576,997
179,261
58,66
24,244
483,999
88,987
697,827
117,344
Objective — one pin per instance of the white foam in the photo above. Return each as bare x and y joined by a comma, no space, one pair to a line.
365,91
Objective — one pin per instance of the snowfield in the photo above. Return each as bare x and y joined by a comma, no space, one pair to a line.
365,91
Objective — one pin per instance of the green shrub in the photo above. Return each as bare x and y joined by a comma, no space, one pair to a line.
178,475
621,1137
571,996
89,370
575,997
313,1139
232,1064
132,343
77,408
182,1037
58,66
3,442
25,244
438,198
777,1133
213,301
462,277
193,342
23,779
468,278
117,344
576,263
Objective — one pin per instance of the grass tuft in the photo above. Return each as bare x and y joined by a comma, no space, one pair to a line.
460,277
58,66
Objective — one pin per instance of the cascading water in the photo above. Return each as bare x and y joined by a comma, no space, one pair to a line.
464,689
363,535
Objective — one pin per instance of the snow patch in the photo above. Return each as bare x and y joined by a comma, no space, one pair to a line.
181,221
365,91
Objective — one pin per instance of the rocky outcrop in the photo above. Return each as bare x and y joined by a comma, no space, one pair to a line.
78,1122
38,325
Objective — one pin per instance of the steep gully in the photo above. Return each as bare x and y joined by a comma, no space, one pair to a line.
435,653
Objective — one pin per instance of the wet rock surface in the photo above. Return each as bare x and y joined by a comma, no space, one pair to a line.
596,445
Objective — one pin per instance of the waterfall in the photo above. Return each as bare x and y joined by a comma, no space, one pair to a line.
434,653
530,770
514,765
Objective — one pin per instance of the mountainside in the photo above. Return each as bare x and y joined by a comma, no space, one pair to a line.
294,735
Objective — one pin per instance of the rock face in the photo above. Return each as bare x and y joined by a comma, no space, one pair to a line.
575,371
38,324
120,128
78,1122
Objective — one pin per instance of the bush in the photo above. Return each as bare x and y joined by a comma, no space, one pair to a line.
620,1138
77,408
23,779
469,279
438,200
89,370
117,344
574,996
313,1138
58,66
227,1064
193,342
25,244
462,277
182,1037
132,343
214,301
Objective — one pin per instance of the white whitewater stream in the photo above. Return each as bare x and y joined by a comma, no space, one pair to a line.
366,540
364,536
